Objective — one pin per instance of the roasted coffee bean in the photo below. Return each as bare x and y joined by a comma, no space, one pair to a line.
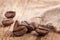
18,26
20,32
42,31
19,29
7,22
29,27
10,14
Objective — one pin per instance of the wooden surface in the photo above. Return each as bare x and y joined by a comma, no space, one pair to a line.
49,36
22,8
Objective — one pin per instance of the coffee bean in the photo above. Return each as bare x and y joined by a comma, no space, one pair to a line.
7,22
42,31
43,28
10,14
19,29
29,26
20,32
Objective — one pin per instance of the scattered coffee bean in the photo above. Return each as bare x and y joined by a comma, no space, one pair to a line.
10,14
19,30
20,33
7,22
18,27
29,26
42,31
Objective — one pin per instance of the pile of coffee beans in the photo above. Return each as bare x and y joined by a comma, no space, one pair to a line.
24,27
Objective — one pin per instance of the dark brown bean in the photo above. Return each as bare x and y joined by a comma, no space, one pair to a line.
10,14
20,32
7,22
42,31
18,26
29,26
19,29
43,28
